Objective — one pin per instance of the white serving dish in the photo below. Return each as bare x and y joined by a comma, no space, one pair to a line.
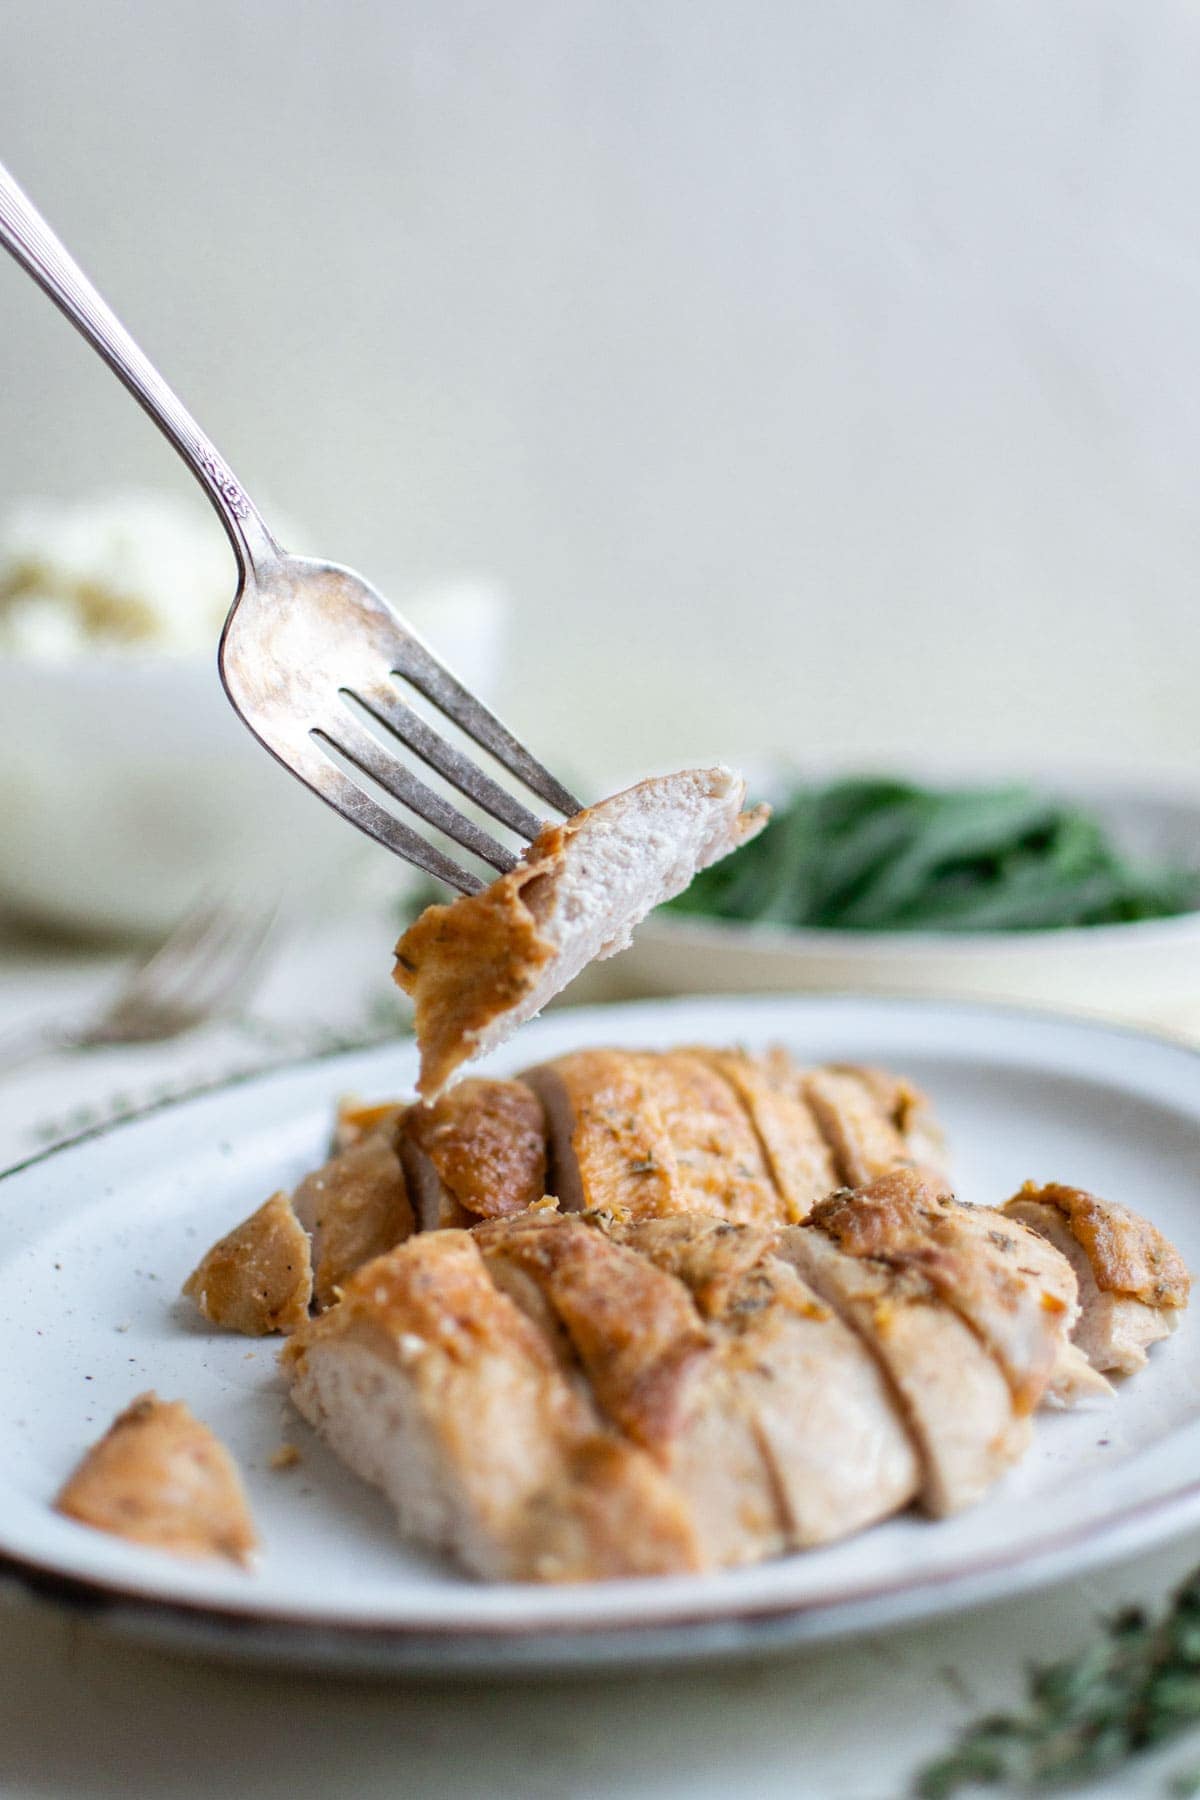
128,784
1148,971
111,1225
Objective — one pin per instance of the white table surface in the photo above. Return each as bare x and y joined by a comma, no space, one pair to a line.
82,1714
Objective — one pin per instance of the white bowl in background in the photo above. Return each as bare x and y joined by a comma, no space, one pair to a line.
128,785
1148,970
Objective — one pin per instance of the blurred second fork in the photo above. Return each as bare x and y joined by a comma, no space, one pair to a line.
200,972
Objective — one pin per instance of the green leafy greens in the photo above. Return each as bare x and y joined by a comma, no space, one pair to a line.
887,855
1135,1688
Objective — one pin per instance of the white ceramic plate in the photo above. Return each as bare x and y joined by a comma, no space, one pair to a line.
100,1235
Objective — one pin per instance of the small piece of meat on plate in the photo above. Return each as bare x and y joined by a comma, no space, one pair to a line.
1133,1283
257,1278
161,1478
356,1206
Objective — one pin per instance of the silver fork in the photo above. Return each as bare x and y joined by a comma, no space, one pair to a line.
305,639
193,976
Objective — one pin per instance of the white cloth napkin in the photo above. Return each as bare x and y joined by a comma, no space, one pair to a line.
320,987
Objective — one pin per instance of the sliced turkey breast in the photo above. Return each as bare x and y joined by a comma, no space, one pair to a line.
477,968
356,1206
864,1140
609,1147
1133,1284
1014,1290
657,1373
434,1385
258,1277
719,1164
161,1478
477,1152
646,1134
551,1403
832,1440
955,1397
797,1156
907,1109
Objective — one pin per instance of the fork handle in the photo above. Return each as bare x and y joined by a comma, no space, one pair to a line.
25,233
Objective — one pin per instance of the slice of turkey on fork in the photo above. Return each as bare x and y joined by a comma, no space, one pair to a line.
478,968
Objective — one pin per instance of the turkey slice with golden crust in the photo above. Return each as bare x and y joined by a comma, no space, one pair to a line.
955,1397
478,968
647,1134
1018,1294
832,1441
609,1147
656,1371
478,1152
864,1140
1133,1284
906,1108
258,1277
719,1164
432,1384
356,1206
160,1478
797,1156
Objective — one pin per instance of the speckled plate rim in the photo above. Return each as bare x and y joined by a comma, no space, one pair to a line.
255,1634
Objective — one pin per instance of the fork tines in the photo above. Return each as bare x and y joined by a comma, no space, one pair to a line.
380,701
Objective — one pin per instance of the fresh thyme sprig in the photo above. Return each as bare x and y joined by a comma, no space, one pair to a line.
1132,1690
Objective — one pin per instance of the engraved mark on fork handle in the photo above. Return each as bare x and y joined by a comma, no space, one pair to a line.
220,476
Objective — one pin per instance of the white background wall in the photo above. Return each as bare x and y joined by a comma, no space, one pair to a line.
820,377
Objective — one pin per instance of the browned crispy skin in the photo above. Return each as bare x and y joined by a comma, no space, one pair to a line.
650,1134
258,1277
611,1148
356,1206
1016,1292
908,1109
496,935
356,1119
486,1144
1133,1284
633,1328
1128,1254
797,1157
160,1478
710,1256
719,1163
863,1140
432,1383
